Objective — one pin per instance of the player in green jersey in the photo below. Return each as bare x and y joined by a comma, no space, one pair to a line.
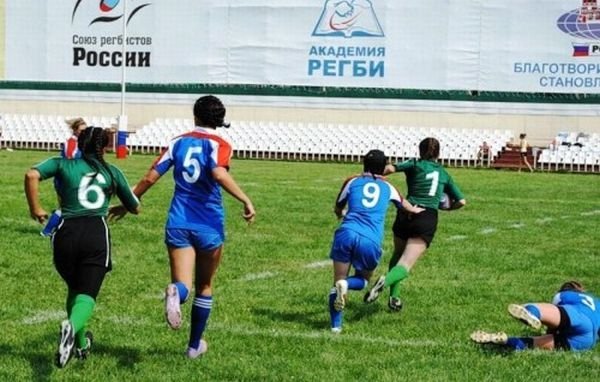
81,243
427,181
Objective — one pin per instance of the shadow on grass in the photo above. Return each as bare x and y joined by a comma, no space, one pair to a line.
495,350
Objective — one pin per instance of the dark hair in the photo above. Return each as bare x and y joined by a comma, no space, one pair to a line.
374,162
209,111
429,149
523,135
572,285
91,142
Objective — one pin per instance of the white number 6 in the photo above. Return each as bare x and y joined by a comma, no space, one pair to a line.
85,187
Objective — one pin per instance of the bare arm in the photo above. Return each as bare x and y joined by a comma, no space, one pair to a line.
410,208
32,183
226,181
389,169
149,180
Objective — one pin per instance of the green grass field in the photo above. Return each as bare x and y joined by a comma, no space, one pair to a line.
518,239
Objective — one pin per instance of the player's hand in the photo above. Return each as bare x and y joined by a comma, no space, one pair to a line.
417,210
116,213
249,212
389,169
39,215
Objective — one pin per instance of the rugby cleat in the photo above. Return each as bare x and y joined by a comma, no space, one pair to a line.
482,337
341,290
374,292
195,353
65,344
520,313
395,304
82,353
172,307
336,330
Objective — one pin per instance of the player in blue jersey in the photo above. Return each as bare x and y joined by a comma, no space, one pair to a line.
572,321
195,223
69,150
357,242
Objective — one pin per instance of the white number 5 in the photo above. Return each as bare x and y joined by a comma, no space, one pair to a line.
191,165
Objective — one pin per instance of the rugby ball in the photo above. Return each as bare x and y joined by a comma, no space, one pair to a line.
445,202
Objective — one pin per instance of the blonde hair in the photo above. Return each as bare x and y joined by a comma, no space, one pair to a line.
74,123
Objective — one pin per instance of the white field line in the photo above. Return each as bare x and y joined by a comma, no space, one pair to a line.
457,237
42,316
487,231
318,264
517,225
544,220
590,213
257,276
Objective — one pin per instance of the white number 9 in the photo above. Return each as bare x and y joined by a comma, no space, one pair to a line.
192,164
371,194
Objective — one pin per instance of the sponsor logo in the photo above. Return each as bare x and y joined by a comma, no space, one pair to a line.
107,12
584,25
348,18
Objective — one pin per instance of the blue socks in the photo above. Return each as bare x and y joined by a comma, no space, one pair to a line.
534,311
336,317
200,312
520,343
356,283
183,291
52,223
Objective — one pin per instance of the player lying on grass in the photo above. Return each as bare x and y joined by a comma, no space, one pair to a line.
572,321
81,243
427,181
357,242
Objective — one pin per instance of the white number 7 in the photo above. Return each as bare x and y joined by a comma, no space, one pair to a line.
435,176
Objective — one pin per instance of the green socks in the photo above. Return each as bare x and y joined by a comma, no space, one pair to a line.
81,310
393,278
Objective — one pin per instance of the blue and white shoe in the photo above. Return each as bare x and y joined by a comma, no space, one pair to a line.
172,306
520,313
195,353
65,344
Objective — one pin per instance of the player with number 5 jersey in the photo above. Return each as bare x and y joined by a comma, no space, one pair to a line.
81,243
194,232
357,241
427,181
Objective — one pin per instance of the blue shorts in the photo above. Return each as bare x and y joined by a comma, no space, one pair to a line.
580,334
202,241
350,247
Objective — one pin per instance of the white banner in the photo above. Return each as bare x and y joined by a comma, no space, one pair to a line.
494,45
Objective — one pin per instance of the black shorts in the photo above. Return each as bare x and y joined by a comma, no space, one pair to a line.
523,154
560,336
82,253
421,225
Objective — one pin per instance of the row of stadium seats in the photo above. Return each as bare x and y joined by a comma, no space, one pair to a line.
326,141
315,141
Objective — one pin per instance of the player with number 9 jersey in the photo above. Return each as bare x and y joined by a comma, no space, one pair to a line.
357,241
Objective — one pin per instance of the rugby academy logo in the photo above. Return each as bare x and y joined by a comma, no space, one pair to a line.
584,25
107,10
348,18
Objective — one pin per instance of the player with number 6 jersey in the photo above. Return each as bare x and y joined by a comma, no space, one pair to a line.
427,181
194,232
81,243
357,241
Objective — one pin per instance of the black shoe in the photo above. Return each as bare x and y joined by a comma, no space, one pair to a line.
395,304
65,344
82,354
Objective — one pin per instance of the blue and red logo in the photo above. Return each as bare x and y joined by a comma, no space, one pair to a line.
348,18
583,24
109,7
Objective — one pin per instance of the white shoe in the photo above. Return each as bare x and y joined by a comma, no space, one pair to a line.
336,330
65,344
520,313
195,353
482,337
341,290
172,307
373,293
